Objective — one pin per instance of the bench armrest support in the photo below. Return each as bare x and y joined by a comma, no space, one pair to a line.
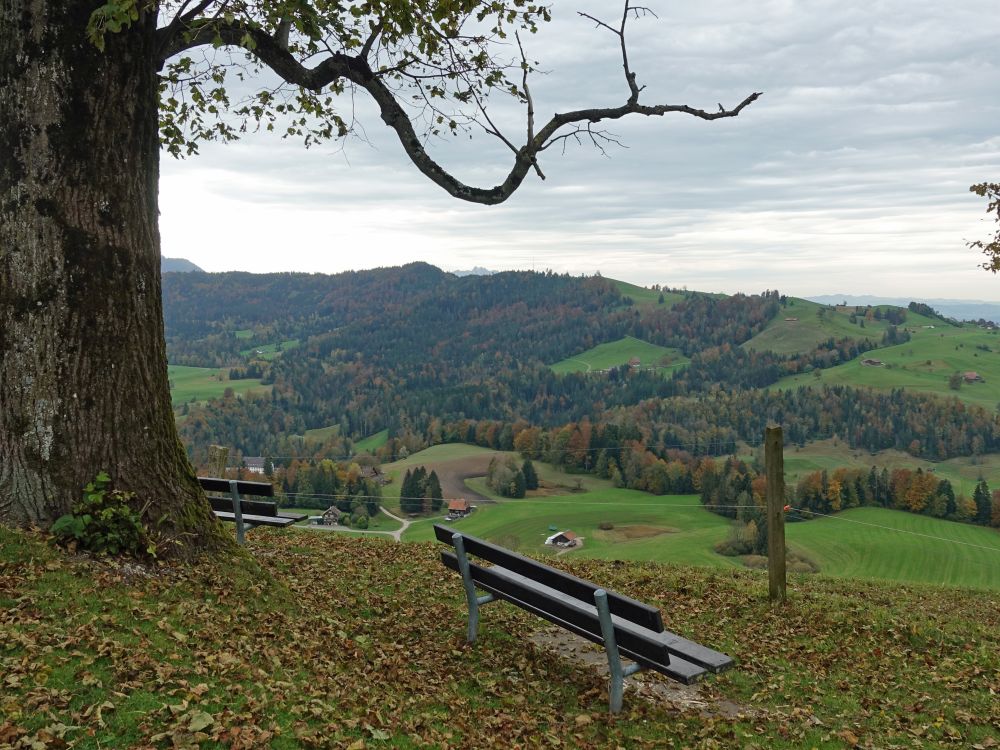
471,597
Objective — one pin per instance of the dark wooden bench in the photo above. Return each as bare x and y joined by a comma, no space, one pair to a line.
624,626
246,513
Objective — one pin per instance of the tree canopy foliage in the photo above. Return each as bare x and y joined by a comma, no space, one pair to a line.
990,248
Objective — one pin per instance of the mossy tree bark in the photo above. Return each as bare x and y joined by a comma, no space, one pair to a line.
83,376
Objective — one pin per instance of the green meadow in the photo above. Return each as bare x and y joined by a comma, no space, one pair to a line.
870,543
614,353
924,364
642,296
203,383
896,546
802,325
372,442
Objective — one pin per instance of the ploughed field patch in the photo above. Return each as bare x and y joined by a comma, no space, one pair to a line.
633,532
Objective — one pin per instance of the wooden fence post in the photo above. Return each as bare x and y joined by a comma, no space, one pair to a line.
774,460
218,455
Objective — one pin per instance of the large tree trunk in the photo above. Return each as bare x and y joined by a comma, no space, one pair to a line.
83,377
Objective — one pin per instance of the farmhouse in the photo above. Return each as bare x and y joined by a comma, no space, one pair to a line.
973,377
254,464
332,516
869,362
562,539
634,362
458,509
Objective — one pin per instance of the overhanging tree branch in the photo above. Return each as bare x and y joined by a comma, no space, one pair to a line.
357,69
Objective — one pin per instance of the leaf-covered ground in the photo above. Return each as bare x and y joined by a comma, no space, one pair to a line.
349,642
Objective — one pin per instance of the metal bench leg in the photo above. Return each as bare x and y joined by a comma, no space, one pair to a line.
238,512
616,687
470,588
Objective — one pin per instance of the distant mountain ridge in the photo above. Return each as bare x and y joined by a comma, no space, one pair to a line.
951,308
168,265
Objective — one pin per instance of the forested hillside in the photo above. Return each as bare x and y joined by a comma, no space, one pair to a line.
432,357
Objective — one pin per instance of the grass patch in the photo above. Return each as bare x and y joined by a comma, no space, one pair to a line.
372,443
642,296
924,364
876,543
203,383
615,353
282,650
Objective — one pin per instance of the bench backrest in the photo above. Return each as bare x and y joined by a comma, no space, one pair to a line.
622,606
258,489
250,507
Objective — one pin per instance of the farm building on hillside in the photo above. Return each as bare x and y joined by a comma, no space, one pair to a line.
973,377
791,320
634,362
458,509
869,362
254,464
332,516
562,539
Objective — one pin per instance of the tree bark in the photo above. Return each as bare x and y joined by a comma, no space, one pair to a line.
83,376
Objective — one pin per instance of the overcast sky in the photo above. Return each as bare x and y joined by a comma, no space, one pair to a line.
850,175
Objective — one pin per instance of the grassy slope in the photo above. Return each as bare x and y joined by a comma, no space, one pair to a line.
810,328
924,364
372,442
842,548
202,383
643,296
365,648
615,353
866,543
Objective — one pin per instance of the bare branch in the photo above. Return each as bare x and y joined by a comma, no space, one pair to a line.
637,12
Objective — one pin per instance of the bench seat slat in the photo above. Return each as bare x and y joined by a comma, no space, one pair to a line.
251,519
643,614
